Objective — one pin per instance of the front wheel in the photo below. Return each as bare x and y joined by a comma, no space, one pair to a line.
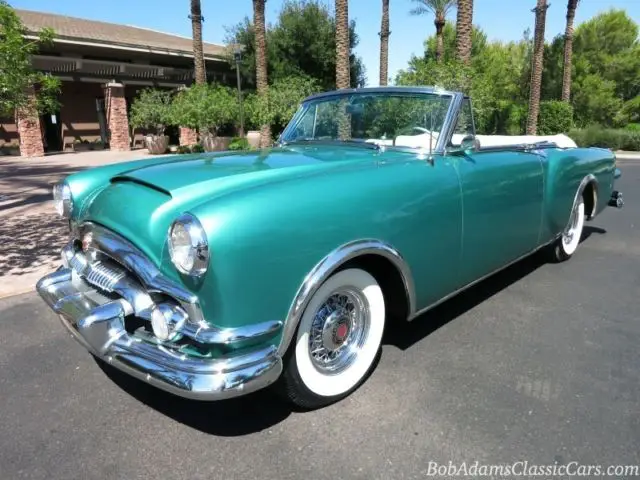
337,342
567,244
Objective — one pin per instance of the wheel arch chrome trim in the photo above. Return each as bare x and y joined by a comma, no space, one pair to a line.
328,265
589,179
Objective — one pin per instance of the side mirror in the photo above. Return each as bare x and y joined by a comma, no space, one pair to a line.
468,145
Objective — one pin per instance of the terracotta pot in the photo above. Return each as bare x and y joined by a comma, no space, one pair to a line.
156,144
253,137
211,143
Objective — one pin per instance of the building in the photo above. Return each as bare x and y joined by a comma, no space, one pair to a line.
102,66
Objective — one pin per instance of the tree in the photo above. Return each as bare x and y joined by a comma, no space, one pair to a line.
198,52
464,30
262,82
384,44
301,42
151,110
568,50
605,61
439,8
536,69
206,107
17,76
342,45
282,101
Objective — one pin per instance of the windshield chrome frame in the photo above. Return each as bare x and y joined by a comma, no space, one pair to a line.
448,125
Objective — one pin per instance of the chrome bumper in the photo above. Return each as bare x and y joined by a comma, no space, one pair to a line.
98,323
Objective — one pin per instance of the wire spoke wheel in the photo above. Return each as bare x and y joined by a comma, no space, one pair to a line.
339,330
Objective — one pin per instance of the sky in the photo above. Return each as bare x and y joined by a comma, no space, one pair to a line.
501,19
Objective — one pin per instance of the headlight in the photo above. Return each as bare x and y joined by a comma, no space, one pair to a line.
62,199
188,246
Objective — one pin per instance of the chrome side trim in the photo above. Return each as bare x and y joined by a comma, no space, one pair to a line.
469,285
203,332
100,329
316,277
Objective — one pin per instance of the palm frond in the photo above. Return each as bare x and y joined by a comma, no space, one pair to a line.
438,7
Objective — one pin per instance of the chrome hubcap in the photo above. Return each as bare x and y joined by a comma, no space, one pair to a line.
339,330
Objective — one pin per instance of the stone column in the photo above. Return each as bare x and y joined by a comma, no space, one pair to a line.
188,136
29,128
116,113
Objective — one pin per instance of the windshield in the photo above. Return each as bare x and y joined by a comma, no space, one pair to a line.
412,120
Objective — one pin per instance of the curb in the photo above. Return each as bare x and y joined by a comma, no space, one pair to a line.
15,293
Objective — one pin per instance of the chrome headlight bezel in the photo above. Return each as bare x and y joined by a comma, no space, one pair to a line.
63,199
192,257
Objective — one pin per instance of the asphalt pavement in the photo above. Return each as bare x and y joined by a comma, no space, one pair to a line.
540,363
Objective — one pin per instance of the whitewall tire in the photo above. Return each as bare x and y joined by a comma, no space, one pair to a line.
338,340
568,242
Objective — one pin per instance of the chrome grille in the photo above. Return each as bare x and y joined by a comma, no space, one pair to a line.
104,276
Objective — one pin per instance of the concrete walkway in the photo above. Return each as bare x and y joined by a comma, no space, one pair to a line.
31,232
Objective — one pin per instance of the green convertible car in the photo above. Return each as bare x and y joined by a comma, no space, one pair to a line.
214,275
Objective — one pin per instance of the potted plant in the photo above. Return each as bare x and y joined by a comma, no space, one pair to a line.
98,144
151,110
278,106
207,108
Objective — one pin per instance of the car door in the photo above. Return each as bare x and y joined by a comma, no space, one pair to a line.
502,194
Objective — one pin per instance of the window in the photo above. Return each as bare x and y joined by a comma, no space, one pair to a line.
465,124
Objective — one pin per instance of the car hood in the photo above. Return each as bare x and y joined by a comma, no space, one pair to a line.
214,174
141,201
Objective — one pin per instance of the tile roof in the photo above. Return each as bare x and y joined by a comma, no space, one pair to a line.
71,28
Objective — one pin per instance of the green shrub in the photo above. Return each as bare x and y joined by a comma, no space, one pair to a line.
507,118
197,148
151,109
634,127
238,143
555,117
182,149
206,107
615,139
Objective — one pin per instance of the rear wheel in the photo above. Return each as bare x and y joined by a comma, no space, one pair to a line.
568,243
337,342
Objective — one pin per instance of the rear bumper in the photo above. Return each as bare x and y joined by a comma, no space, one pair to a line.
98,323
616,199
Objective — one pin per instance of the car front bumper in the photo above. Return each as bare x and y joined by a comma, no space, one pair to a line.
97,321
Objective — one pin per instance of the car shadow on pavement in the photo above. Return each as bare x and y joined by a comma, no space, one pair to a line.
430,321
227,418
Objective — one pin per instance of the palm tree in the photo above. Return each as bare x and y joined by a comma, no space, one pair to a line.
464,30
536,68
440,8
384,44
198,53
343,66
262,81
568,50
